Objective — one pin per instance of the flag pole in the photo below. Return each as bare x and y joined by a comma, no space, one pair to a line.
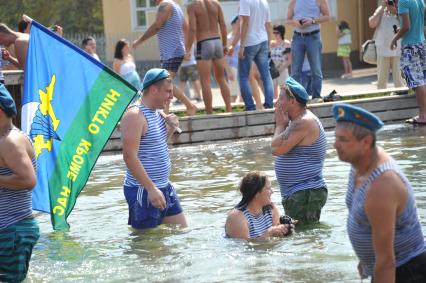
26,18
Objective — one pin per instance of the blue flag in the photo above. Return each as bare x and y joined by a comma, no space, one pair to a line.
70,107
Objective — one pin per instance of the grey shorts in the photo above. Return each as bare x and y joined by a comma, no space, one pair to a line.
210,48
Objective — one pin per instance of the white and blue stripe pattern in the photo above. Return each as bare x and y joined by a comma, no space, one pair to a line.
258,224
15,205
301,168
153,151
408,242
170,36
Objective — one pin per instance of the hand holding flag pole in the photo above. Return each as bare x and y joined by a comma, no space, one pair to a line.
176,128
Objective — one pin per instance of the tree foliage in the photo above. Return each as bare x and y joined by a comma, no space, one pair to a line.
75,16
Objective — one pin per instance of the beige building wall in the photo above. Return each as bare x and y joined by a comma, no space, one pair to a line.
118,24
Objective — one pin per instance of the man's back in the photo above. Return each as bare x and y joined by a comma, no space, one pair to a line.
207,14
258,13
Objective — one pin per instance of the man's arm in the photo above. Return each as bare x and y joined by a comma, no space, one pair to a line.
402,31
245,20
192,28
21,47
381,208
285,139
222,26
15,157
290,15
325,12
132,127
268,28
163,14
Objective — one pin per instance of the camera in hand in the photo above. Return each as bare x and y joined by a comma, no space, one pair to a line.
285,219
301,22
395,29
391,2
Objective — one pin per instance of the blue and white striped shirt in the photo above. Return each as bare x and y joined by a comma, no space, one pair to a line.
301,168
153,151
170,36
15,205
258,224
408,242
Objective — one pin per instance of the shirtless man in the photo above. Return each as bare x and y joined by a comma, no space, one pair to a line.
205,20
20,40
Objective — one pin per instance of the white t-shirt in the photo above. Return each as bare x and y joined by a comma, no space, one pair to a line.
258,11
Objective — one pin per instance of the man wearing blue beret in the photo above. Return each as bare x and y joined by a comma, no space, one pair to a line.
383,224
300,146
19,231
151,198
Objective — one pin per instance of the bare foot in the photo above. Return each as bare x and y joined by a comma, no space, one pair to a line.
192,110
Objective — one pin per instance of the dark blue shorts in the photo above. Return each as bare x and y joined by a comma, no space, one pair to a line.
142,214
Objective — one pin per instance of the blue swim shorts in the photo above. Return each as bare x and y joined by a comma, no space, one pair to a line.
142,214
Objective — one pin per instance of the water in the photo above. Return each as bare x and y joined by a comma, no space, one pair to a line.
101,248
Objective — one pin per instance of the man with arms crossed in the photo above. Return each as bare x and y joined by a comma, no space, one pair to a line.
205,16
151,198
169,26
306,16
383,224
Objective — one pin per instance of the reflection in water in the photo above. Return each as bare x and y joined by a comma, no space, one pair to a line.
101,247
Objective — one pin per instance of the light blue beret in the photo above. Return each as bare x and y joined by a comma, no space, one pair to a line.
153,76
7,104
297,90
348,113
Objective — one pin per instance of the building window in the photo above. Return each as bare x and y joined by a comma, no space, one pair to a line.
141,8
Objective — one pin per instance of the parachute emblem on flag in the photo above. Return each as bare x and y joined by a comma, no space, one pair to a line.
45,123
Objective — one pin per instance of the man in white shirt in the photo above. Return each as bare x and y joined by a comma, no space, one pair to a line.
255,35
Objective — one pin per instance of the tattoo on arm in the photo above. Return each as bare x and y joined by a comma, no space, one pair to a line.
291,128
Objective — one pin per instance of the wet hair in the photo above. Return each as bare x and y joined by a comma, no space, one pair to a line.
5,29
358,131
85,41
250,185
22,25
343,25
118,53
281,30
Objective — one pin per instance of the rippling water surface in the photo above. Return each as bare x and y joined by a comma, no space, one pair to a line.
101,248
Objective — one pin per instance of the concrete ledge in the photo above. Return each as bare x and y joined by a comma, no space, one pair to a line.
233,126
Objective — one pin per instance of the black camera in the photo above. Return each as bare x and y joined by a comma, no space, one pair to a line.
285,219
391,2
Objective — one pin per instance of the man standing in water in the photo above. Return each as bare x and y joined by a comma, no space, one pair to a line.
205,16
169,26
19,231
383,224
300,146
151,198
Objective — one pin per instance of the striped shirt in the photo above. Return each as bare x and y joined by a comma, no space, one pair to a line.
301,168
170,36
153,151
15,205
408,242
258,224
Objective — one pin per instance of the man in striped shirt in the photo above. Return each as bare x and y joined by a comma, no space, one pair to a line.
19,231
169,26
151,198
300,146
383,224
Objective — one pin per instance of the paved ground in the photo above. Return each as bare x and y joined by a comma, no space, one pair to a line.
363,80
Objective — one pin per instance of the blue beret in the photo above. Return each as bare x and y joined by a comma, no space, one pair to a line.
153,76
297,90
7,104
348,113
